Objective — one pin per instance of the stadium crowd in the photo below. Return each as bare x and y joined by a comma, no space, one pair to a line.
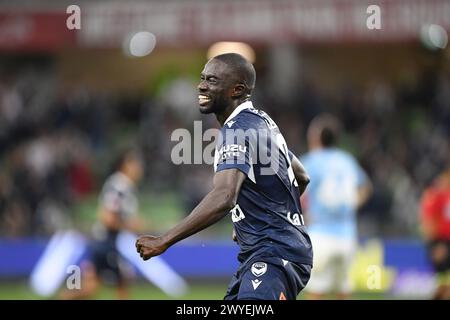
55,144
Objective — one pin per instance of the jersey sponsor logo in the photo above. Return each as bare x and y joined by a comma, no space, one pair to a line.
237,214
232,151
296,219
259,268
256,283
282,296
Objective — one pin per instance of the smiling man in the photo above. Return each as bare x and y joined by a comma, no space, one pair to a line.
258,181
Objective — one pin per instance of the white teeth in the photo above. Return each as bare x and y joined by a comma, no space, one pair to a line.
202,99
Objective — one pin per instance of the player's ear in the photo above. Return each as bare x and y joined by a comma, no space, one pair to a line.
238,91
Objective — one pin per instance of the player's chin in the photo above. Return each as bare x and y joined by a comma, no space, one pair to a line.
206,109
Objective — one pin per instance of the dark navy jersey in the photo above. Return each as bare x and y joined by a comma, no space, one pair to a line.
267,217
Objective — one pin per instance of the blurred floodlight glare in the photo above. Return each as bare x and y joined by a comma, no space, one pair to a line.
232,47
434,36
139,44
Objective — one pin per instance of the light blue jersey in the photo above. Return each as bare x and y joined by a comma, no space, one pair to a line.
333,192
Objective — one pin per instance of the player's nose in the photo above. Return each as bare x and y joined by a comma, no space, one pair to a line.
202,87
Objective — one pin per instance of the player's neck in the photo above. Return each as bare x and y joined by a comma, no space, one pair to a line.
223,116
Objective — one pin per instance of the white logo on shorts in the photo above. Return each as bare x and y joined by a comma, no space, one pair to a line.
259,268
256,283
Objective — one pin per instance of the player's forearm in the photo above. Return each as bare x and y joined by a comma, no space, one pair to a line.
300,175
211,209
364,193
109,219
135,225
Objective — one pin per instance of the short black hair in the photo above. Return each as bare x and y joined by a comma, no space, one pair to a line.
329,128
123,156
243,69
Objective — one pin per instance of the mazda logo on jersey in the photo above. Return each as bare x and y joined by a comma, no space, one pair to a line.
259,268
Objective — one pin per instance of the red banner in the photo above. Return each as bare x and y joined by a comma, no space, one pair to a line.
34,31
194,23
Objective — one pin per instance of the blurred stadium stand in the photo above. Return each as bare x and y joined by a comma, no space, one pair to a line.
70,98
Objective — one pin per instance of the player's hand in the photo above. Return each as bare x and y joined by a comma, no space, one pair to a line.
439,253
150,246
233,236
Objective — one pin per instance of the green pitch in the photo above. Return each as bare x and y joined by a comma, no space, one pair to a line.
198,291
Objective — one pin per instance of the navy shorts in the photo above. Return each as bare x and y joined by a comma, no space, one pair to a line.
268,279
106,260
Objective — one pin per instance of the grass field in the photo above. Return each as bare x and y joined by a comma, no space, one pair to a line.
198,291
137,292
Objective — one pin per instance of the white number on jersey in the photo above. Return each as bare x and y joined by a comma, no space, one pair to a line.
334,192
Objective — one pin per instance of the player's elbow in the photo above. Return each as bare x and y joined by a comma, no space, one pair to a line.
229,202
303,179
306,179
226,199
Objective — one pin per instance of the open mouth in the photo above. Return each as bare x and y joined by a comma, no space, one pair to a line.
203,99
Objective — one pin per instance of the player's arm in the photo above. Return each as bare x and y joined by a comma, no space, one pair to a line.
112,221
109,218
300,174
365,188
136,224
364,192
214,206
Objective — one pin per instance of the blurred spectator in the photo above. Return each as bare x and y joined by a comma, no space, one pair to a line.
435,217
53,140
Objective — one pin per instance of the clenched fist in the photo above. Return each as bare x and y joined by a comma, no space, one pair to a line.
150,246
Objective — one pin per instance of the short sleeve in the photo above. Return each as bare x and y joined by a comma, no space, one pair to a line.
291,155
234,149
111,199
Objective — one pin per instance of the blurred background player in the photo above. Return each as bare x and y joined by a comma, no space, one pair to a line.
435,218
117,211
338,188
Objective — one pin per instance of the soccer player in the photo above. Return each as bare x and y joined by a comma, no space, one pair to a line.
338,188
257,181
118,207
435,218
